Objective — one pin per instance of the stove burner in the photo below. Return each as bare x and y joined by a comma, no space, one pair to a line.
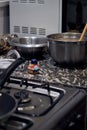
36,99
23,96
39,104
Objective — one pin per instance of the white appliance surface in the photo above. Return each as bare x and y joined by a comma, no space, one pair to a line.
5,63
35,17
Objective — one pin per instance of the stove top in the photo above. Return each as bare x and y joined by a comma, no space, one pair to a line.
35,99
38,101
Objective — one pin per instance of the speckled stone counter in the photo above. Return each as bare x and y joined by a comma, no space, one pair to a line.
54,74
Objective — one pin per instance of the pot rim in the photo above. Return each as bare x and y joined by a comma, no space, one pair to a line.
29,42
54,37
28,46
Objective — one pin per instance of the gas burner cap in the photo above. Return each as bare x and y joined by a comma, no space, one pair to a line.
23,96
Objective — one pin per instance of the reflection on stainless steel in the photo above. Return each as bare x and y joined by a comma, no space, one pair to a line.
26,108
13,53
30,46
66,51
5,63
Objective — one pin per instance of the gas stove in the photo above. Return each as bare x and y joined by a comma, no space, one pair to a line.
42,105
35,98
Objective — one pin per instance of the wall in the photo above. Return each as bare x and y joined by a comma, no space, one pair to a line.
4,17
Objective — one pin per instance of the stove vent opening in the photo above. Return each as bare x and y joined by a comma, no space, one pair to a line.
41,2
32,1
29,30
24,29
42,31
16,29
33,30
23,1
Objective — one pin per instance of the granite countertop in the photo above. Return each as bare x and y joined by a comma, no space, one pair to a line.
54,74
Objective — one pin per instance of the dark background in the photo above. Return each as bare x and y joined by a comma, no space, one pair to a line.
74,15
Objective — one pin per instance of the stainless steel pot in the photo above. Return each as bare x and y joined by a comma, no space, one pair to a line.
30,46
65,48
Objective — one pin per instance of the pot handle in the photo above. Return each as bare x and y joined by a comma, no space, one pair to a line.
13,53
7,72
